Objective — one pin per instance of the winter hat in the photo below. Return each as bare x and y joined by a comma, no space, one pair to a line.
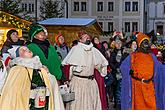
81,33
56,39
9,34
141,37
14,52
35,29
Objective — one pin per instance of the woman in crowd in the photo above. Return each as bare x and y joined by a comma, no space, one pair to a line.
60,46
12,40
100,80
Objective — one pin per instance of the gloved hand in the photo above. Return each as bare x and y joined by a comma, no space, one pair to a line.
131,72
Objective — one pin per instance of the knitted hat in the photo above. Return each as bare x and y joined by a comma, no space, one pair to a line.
141,37
56,39
35,29
81,33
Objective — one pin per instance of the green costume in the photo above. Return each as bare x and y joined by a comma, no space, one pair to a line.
53,63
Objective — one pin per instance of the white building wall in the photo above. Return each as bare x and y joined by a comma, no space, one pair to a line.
156,16
151,10
141,17
118,16
160,10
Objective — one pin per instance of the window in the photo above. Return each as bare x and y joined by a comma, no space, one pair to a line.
25,7
30,8
101,24
110,26
83,6
76,6
127,6
134,6
99,6
160,29
127,26
134,26
110,6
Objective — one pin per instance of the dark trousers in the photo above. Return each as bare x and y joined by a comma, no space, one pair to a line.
117,94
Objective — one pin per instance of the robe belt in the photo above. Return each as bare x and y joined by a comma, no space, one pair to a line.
131,72
91,77
142,79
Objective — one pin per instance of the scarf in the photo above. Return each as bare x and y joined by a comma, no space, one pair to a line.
44,45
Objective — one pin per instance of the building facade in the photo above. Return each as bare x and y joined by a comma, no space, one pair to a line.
31,8
119,15
156,16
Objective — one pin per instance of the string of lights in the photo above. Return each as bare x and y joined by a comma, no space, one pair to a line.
14,21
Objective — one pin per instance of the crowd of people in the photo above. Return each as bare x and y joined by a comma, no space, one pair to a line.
129,74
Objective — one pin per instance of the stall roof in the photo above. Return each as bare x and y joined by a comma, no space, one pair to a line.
68,21
12,21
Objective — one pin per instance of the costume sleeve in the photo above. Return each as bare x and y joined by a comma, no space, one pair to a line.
102,70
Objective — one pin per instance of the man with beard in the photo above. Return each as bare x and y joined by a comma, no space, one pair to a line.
83,59
142,79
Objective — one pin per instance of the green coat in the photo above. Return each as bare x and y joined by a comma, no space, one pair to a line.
53,62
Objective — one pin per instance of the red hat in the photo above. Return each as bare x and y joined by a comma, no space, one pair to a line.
56,39
81,33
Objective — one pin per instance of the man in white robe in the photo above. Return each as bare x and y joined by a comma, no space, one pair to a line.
83,59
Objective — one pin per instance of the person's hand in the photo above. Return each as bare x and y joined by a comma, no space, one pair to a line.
67,83
47,70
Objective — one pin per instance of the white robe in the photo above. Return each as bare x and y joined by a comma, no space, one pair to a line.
16,91
83,59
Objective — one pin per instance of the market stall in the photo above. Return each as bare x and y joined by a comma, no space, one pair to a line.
7,22
69,27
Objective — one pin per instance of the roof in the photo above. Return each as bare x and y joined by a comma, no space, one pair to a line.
14,21
68,21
